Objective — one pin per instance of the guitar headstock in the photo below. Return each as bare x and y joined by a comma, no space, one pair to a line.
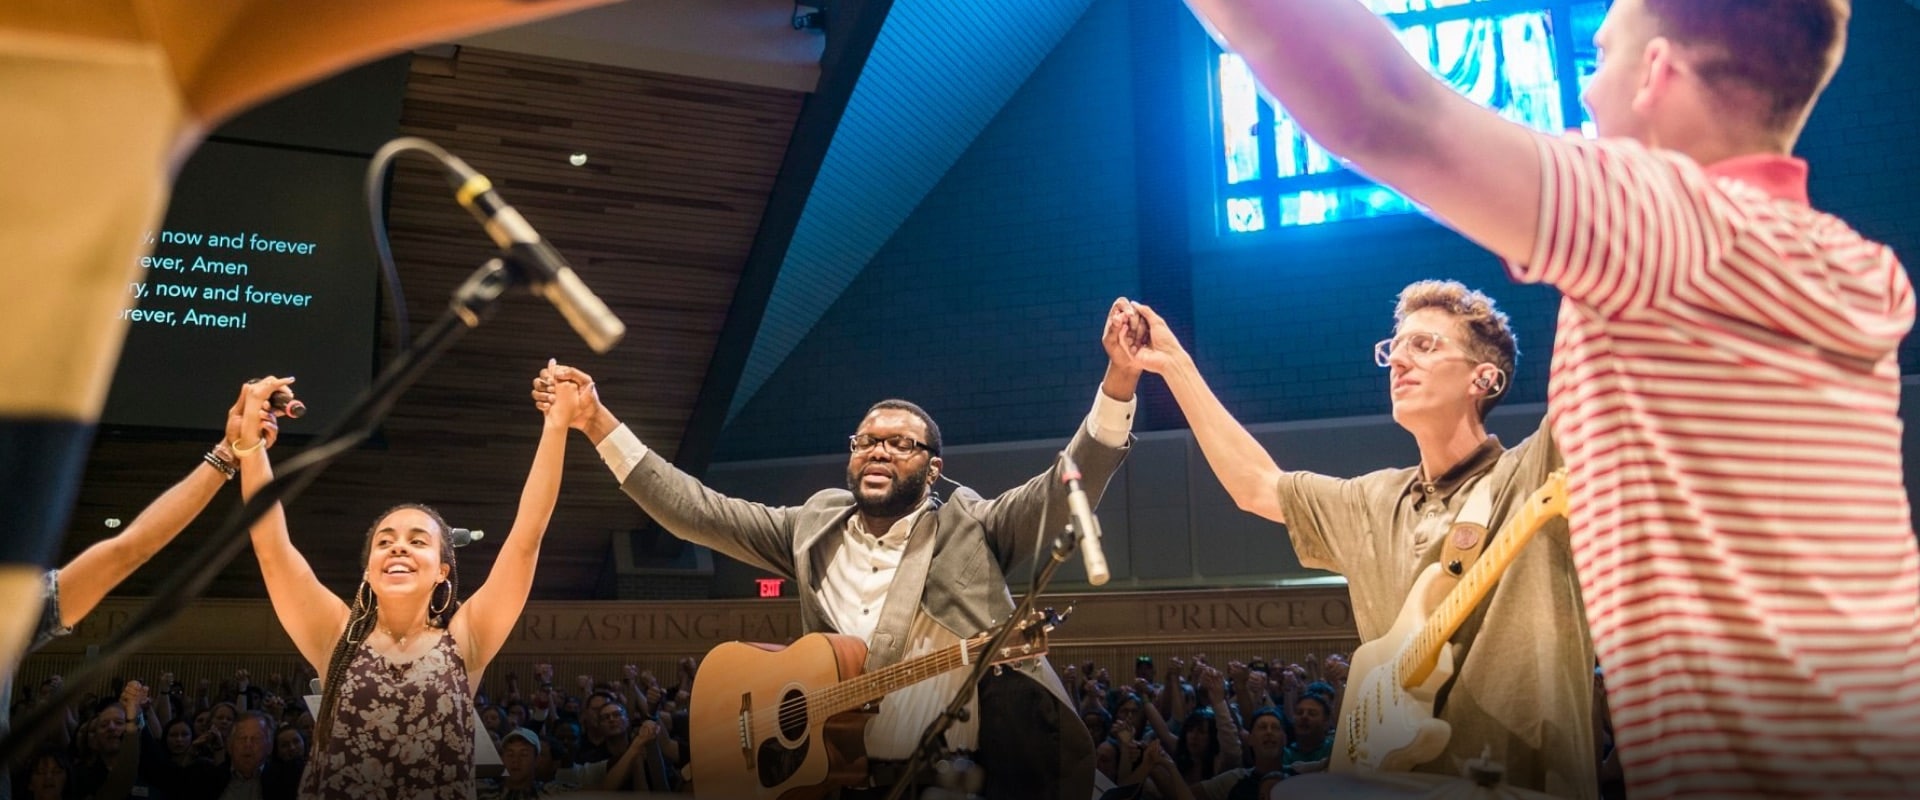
1551,498
1028,641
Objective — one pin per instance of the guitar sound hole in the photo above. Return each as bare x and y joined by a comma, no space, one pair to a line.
793,714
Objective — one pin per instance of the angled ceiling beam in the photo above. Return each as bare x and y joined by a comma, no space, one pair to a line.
852,27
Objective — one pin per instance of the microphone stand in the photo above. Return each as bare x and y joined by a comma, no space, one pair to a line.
956,710
472,302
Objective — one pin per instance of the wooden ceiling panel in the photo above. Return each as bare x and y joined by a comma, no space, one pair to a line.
659,222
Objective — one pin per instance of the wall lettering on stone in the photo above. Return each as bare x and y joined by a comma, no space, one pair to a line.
655,627
1253,616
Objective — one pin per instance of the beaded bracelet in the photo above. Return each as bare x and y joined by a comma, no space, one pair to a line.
221,464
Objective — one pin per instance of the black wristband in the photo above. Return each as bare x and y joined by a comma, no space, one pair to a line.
219,463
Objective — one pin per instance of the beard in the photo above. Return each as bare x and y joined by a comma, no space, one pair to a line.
906,492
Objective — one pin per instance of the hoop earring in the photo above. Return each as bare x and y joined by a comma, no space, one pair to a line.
363,596
444,604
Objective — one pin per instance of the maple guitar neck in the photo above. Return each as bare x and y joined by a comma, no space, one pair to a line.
1417,661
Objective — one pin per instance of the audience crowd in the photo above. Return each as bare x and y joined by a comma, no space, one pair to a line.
1189,729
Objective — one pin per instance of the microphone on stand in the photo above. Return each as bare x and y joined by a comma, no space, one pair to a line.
552,277
461,537
1084,522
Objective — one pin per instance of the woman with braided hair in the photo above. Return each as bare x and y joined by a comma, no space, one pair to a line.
402,662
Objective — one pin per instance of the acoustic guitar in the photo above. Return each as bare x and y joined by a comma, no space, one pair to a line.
768,722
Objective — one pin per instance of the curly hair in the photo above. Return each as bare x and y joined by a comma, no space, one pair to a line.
1489,337
364,611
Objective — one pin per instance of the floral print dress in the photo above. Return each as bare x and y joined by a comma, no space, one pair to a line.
401,731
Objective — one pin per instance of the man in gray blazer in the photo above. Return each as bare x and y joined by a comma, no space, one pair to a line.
852,551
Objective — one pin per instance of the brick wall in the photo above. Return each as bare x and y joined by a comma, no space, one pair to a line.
985,306
1861,141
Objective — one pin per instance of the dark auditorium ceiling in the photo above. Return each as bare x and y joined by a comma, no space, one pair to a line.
740,174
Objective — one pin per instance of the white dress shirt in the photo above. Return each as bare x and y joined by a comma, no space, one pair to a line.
853,590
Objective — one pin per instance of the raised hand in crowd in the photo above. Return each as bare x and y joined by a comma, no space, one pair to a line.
1132,768
1334,669
640,766
136,700
1165,774
1255,693
1214,685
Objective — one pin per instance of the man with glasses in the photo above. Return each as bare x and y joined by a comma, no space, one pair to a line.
1726,377
1523,664
845,549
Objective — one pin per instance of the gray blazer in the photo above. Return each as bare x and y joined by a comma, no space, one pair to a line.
977,541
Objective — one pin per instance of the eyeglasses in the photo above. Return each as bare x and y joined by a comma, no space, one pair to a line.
1421,345
899,446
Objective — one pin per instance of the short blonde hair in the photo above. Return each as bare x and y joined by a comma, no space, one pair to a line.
1489,338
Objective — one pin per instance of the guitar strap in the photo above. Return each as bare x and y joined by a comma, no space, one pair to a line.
889,640
1467,537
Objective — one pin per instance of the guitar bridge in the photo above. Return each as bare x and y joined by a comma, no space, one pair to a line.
746,728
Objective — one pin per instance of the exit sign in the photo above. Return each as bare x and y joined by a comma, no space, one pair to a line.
770,587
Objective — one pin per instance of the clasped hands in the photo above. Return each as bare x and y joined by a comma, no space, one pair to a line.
1137,338
556,378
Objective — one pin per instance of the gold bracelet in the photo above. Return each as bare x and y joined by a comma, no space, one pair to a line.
243,452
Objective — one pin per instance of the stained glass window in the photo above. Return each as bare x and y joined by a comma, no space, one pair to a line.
1513,61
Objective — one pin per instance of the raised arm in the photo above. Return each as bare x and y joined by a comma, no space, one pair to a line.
1248,472
1013,521
88,578
484,621
749,532
632,768
1158,723
1226,728
313,616
1342,74
232,55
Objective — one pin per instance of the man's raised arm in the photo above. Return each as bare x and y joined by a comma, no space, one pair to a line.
1343,75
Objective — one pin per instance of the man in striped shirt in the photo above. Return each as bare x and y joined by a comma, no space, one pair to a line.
1724,382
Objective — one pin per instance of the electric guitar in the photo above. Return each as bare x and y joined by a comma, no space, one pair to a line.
769,722
1386,715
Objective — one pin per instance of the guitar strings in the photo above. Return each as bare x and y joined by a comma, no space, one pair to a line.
845,692
854,692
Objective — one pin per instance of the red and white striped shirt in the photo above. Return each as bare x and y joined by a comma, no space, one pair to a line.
1726,392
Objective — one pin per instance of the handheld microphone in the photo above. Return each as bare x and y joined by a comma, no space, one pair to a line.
1084,522
284,402
461,537
553,278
